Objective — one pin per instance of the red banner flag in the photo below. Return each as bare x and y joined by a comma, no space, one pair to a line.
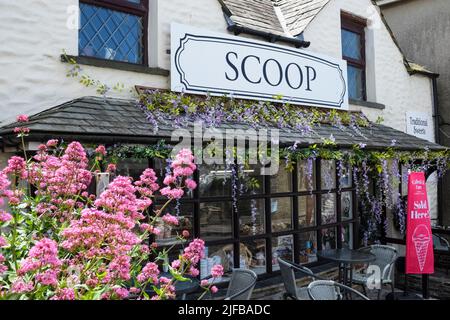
419,239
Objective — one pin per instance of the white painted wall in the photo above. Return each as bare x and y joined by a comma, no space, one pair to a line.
33,34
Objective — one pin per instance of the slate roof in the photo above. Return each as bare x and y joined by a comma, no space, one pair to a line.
287,18
100,120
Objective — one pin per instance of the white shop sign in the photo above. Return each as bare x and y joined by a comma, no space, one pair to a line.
420,124
220,64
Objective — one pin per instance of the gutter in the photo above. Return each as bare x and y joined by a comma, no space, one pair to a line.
268,36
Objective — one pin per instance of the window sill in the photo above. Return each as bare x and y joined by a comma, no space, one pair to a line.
118,65
367,104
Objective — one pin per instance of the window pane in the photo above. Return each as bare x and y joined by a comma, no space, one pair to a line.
252,217
346,177
346,205
328,238
253,181
307,211
109,34
253,256
215,181
347,236
351,44
306,175
328,174
355,83
216,220
185,214
222,254
281,209
308,247
282,247
282,181
131,167
328,208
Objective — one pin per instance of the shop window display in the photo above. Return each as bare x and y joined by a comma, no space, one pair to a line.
282,247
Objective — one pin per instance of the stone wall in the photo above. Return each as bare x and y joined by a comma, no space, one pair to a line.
439,285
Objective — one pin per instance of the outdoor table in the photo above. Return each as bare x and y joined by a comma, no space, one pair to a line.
346,258
181,288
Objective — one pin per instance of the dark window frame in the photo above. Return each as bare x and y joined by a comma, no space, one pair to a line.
295,231
357,25
141,10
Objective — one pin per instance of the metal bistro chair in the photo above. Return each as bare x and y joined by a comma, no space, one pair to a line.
288,274
241,285
330,290
385,260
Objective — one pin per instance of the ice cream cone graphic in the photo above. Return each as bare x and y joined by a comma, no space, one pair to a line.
421,239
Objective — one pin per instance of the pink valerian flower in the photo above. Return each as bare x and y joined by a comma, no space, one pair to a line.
65,176
4,182
52,143
217,271
168,288
149,272
42,148
194,251
170,193
5,216
14,196
186,234
145,249
164,280
64,294
194,271
204,283
183,165
22,118
48,278
176,264
17,166
20,286
135,290
43,254
154,245
76,153
214,289
101,150
120,267
147,184
145,227
169,179
191,184
143,203
120,198
21,130
101,234
170,219
111,168
122,293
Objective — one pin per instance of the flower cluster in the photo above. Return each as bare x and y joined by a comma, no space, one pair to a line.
101,238
182,168
43,253
194,251
149,272
43,259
